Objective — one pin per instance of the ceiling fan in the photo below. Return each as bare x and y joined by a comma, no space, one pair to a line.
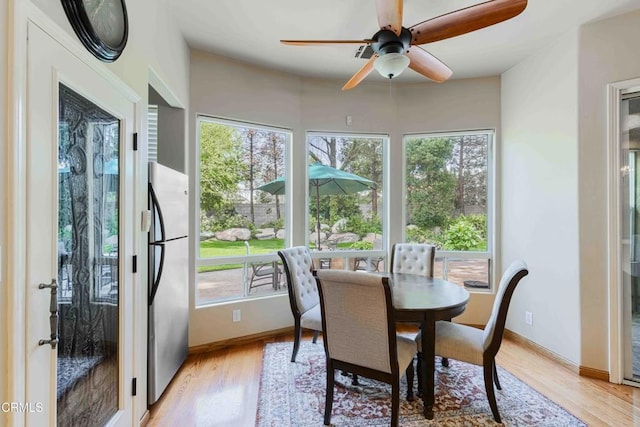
395,47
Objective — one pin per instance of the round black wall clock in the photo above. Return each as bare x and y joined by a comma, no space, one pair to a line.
101,26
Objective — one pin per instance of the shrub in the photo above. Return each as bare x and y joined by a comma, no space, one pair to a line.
362,226
278,224
223,222
434,237
462,235
414,234
479,222
362,245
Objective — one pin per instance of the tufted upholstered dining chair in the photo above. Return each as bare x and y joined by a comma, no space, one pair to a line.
413,258
303,293
360,333
418,259
477,346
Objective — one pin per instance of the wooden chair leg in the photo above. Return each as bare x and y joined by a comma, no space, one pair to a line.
445,360
315,336
419,373
297,336
488,385
395,402
328,403
409,373
495,376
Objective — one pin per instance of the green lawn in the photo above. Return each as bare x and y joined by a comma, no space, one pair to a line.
219,248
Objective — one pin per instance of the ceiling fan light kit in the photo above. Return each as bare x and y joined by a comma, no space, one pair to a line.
391,65
396,47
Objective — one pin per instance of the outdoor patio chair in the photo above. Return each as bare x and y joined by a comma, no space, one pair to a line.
362,263
360,333
303,293
265,274
477,346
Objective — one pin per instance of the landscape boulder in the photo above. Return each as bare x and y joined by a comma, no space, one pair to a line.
233,234
339,226
206,235
265,233
344,237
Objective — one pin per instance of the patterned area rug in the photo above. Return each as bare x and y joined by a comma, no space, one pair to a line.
292,394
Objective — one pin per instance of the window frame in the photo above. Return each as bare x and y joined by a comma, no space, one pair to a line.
347,254
245,260
448,255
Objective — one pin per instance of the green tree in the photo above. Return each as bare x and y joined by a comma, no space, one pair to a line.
431,186
221,166
469,163
251,140
271,163
363,157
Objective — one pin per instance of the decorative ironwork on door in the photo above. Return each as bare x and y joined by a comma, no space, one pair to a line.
88,260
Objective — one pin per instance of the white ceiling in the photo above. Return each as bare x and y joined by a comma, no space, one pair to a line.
250,30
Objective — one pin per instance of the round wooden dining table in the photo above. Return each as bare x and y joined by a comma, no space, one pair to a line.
426,300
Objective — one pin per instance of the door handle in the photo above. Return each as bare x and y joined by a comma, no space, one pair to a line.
53,318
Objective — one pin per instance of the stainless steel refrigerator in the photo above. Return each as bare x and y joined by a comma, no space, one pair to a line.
168,276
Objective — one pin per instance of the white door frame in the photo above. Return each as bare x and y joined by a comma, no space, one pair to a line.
616,309
20,12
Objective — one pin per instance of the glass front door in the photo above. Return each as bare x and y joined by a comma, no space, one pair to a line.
88,259
630,229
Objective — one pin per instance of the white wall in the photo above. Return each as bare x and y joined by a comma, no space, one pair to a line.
540,194
154,41
608,53
224,88
154,44
4,345
227,89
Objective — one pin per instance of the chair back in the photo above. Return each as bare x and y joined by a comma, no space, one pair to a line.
413,258
301,284
492,337
358,321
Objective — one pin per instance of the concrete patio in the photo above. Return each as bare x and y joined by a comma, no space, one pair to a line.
228,284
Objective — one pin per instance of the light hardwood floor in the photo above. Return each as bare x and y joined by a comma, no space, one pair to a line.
220,388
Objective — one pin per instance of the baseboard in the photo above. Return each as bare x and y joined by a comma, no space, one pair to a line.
145,418
219,345
597,374
525,342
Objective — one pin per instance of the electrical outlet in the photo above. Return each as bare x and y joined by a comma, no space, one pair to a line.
236,316
528,318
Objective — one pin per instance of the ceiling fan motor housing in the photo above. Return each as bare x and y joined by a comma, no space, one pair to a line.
386,41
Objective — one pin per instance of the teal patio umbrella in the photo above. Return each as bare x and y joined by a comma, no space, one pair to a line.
324,181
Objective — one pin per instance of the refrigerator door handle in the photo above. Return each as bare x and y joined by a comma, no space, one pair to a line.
155,208
158,276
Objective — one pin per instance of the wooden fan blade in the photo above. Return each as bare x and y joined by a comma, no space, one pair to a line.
390,15
466,20
323,42
428,65
361,74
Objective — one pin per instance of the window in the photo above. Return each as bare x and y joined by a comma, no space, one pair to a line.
241,226
448,202
346,205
